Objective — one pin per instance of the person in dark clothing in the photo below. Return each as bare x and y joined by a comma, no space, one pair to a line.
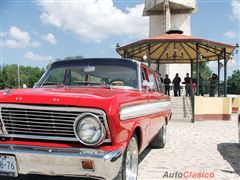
213,84
187,82
176,85
167,82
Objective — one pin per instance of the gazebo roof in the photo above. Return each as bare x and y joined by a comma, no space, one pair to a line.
175,48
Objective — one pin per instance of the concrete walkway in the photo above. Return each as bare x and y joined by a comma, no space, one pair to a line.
209,147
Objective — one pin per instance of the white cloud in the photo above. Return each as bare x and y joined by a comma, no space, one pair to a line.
94,20
18,38
230,35
212,64
35,57
3,34
18,34
235,9
36,44
49,38
232,63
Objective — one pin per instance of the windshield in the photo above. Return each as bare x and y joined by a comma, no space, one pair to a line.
114,73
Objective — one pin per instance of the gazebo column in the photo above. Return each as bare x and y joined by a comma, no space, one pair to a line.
148,55
124,53
158,66
191,68
218,75
197,67
225,72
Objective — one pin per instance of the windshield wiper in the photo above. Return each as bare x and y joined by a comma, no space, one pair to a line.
52,84
106,86
89,83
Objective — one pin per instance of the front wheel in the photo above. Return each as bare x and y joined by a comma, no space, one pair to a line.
129,169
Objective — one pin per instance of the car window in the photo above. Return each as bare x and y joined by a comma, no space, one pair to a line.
153,80
56,77
78,77
143,75
93,72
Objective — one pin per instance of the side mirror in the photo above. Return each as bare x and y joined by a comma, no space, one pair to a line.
35,84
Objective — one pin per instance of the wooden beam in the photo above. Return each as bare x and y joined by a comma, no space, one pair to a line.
197,66
203,57
163,51
141,49
209,49
148,55
218,75
186,51
225,73
156,49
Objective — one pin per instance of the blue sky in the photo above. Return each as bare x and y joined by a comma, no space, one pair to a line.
34,32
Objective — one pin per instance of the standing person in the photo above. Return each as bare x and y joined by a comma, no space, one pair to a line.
194,86
167,82
187,81
176,85
213,84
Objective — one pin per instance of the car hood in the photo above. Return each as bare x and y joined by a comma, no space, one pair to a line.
68,96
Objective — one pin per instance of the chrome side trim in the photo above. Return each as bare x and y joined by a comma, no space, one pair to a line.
53,108
2,126
139,77
39,137
144,109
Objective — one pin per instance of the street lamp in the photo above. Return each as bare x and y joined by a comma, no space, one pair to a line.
237,48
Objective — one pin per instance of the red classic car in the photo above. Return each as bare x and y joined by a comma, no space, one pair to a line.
84,118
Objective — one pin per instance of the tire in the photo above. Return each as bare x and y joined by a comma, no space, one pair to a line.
160,140
129,168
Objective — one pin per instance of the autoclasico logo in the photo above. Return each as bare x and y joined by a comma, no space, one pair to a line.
189,174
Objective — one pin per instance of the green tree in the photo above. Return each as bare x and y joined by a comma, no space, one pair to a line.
73,57
234,83
204,69
28,75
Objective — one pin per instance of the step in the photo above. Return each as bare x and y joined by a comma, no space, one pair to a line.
181,120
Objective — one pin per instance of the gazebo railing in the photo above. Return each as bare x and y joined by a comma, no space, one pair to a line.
212,88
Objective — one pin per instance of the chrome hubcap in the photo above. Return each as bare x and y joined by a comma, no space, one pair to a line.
132,160
164,133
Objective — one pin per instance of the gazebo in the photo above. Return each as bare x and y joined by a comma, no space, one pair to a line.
176,48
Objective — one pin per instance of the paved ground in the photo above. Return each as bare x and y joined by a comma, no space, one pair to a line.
209,147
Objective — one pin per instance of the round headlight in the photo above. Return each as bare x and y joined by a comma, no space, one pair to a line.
89,130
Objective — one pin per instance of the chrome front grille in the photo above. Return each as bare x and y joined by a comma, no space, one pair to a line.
43,122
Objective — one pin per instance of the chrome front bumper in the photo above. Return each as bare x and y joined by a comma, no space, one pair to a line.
64,161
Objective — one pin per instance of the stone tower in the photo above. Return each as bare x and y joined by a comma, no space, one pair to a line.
167,14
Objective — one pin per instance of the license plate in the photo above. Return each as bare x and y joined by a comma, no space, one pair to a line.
8,165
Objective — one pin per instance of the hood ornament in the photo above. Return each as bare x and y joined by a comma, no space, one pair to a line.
56,99
18,98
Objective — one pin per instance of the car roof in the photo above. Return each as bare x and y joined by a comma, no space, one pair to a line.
80,59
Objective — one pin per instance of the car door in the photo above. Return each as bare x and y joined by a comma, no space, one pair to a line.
145,124
156,99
